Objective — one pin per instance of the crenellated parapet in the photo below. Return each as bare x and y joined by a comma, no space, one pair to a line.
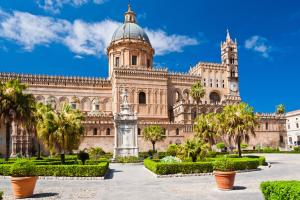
271,116
46,80
207,66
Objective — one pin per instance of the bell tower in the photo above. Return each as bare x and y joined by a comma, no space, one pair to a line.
229,57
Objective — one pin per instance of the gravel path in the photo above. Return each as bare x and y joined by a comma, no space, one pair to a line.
134,182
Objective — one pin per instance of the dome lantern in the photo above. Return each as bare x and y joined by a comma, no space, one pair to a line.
130,16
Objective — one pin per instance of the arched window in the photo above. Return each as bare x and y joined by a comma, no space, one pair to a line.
177,131
214,98
142,98
95,130
178,142
108,131
139,131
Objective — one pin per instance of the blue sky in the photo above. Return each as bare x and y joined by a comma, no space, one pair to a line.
68,37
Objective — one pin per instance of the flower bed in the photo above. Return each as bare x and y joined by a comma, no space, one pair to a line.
160,168
283,190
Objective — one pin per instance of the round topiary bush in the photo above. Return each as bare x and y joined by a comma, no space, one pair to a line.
83,156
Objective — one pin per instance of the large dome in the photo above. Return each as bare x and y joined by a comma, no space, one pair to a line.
130,31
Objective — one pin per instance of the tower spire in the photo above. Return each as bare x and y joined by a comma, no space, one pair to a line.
228,38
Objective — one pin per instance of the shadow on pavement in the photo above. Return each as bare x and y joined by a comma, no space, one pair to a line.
110,174
239,188
43,195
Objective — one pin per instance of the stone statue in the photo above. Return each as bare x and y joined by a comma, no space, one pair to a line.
124,96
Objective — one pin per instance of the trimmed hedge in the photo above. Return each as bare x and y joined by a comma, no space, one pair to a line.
281,190
64,170
1,195
175,168
198,167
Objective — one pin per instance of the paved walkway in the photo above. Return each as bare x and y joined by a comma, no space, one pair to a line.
134,182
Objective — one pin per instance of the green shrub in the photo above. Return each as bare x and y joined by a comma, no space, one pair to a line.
1,195
224,164
172,150
244,146
211,154
170,159
199,167
281,190
22,168
96,162
220,145
297,149
73,170
175,168
63,170
83,156
96,153
128,159
270,150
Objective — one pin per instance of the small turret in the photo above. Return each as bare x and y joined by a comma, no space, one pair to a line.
130,16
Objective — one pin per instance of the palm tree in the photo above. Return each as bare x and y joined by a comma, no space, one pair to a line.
206,127
60,131
239,123
197,92
192,148
15,107
280,109
153,133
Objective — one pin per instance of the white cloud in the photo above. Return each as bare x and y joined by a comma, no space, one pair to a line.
80,37
90,38
258,44
55,6
164,43
30,30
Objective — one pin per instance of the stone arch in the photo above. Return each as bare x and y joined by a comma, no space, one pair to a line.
219,110
214,97
86,104
177,95
178,142
63,100
203,110
105,103
40,99
186,95
52,100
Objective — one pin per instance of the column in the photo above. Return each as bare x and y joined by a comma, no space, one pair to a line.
14,139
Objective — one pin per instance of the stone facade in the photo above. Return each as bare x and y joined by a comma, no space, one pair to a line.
293,128
156,95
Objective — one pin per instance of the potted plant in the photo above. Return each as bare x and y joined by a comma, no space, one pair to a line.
23,178
224,173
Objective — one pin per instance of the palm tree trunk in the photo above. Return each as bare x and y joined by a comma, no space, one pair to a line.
62,155
7,140
239,146
39,151
153,147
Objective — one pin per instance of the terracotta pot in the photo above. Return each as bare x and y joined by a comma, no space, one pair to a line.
23,186
225,180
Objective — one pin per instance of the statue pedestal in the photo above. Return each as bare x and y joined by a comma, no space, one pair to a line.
126,140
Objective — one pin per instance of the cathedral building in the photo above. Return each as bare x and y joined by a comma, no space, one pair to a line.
156,95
